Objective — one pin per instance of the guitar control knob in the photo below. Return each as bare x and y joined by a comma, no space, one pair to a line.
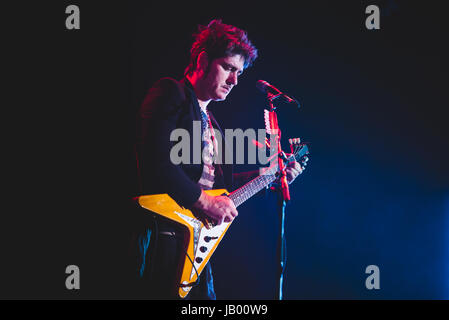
207,238
198,260
203,249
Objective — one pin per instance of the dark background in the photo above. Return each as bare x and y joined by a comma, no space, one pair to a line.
376,190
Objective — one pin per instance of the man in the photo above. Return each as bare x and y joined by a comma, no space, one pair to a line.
219,55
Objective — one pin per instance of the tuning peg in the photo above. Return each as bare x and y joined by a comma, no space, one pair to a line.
292,149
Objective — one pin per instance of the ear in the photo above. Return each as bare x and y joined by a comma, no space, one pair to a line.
202,61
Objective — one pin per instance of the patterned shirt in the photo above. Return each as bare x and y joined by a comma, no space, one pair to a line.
207,179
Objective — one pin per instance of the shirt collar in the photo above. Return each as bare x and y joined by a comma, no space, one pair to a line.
190,86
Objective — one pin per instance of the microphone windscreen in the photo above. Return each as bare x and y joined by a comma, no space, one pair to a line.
262,85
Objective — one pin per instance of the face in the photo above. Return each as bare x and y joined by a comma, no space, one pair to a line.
222,77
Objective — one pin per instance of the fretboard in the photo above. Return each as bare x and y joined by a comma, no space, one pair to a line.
251,188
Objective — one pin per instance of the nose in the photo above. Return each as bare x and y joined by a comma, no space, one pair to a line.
232,79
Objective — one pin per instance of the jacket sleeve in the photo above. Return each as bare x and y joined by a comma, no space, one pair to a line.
157,119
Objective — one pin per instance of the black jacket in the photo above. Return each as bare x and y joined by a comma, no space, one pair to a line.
172,104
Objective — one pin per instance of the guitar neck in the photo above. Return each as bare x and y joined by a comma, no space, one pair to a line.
251,188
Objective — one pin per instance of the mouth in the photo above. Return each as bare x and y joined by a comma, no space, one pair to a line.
227,89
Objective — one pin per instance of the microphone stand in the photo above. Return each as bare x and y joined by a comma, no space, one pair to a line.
283,196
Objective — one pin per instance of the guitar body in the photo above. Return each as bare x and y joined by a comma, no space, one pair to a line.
201,241
202,237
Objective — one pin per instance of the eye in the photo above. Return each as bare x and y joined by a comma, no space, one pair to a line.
228,67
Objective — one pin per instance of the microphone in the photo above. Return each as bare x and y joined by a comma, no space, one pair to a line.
270,89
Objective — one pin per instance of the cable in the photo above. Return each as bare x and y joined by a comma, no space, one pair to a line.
284,262
155,247
156,230
191,284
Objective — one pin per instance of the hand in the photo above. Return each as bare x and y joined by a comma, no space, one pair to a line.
294,169
219,208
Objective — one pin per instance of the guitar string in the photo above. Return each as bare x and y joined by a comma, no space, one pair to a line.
244,193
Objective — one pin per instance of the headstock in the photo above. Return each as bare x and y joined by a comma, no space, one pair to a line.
268,125
298,150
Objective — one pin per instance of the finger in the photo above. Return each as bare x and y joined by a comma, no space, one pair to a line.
298,171
297,166
232,205
220,220
227,219
229,216
292,174
291,178
293,166
232,211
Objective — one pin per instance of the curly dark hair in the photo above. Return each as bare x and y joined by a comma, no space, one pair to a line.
220,40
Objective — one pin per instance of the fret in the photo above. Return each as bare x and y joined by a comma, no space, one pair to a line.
245,192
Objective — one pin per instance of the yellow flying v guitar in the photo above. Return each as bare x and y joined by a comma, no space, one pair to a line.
203,238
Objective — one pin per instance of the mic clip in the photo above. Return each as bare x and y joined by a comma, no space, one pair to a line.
271,97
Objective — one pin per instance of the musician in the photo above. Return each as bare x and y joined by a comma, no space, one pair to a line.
219,55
